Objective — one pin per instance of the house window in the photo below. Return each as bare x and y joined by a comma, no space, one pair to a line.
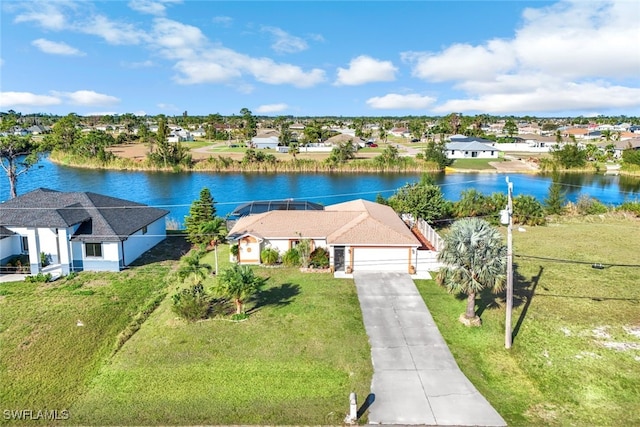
25,244
144,230
93,250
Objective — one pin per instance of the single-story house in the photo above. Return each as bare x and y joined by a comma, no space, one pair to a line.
265,142
471,149
78,230
359,235
620,146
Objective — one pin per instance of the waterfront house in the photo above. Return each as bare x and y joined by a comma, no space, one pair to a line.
359,235
462,147
77,231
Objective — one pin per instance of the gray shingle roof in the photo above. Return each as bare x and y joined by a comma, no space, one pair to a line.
470,146
101,218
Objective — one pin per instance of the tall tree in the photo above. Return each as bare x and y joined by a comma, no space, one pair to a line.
510,128
239,283
17,155
474,258
64,133
421,200
556,197
249,124
437,152
201,212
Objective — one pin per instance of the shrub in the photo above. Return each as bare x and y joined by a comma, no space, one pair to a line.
527,210
291,258
38,278
191,303
587,205
269,256
319,258
632,207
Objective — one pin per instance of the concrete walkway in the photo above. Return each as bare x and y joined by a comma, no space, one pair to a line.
415,379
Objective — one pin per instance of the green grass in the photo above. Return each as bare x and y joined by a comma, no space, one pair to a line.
476,164
294,361
46,359
559,370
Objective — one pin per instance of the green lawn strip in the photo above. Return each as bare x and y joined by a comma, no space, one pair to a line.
294,361
46,359
478,164
563,368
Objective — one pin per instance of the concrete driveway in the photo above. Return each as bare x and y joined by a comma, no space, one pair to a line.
416,379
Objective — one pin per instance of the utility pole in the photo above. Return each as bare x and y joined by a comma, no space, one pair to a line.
509,221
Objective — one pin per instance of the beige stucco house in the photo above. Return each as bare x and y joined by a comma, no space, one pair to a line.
359,235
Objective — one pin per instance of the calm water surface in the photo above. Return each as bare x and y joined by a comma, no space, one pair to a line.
176,191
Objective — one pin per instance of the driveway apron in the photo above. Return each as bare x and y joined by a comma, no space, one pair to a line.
415,377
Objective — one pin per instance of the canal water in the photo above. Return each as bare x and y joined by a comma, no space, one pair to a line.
176,191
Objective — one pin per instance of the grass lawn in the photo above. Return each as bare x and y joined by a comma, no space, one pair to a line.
294,361
476,164
46,359
575,358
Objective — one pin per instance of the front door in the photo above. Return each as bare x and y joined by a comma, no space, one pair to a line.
338,258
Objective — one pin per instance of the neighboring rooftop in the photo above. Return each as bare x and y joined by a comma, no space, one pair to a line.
101,217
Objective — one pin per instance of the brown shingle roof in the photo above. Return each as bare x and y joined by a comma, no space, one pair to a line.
358,222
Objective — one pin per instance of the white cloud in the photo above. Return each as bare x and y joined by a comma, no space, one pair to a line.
224,21
140,64
87,98
116,33
365,69
221,65
151,7
27,99
195,72
56,48
100,113
285,42
462,61
564,57
394,101
47,14
271,108
177,40
559,97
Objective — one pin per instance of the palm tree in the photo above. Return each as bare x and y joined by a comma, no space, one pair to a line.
239,284
474,258
215,232
191,268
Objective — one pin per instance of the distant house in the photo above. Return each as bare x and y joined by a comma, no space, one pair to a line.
270,142
359,235
462,147
37,129
620,146
78,230
199,133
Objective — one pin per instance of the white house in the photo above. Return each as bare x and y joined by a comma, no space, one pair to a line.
359,235
265,142
78,231
462,147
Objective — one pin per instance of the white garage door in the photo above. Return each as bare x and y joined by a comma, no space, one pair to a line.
381,259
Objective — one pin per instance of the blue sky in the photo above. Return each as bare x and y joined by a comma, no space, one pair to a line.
301,58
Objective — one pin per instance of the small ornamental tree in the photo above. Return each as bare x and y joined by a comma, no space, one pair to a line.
238,283
202,211
556,197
